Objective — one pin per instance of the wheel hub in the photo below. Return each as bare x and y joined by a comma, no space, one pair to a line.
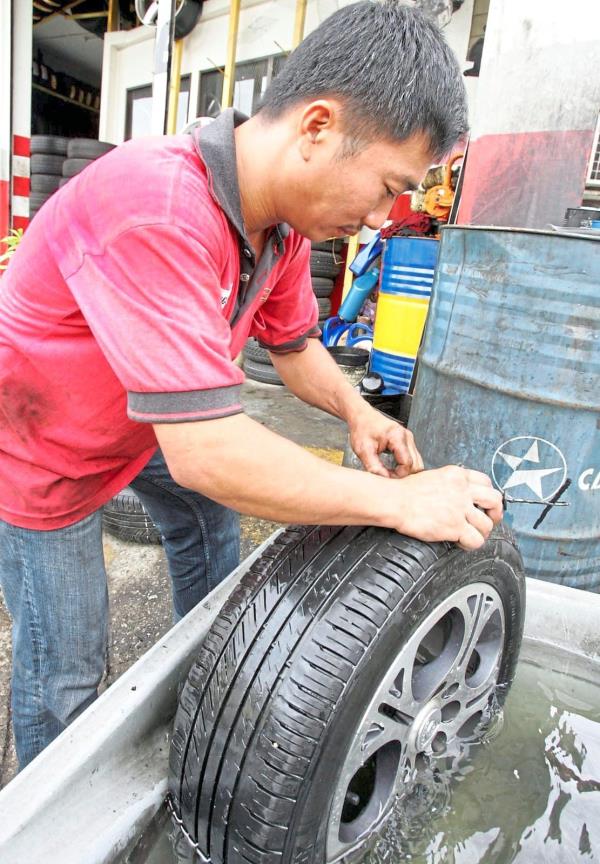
426,726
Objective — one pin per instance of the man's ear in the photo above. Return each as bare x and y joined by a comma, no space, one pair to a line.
319,122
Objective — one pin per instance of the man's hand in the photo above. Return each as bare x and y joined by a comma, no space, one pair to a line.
450,503
371,432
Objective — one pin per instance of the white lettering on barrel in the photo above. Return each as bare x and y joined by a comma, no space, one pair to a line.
586,483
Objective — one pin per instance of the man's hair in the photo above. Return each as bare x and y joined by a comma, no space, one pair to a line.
391,69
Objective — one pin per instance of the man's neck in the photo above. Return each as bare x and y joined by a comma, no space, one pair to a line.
255,169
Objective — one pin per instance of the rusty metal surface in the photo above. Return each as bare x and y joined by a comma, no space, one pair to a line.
508,384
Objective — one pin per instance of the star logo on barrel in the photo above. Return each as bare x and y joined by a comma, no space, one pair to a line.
526,465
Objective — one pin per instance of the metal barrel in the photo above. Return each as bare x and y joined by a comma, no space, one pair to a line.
509,383
407,276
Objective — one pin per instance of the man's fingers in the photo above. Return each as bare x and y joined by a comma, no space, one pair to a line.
470,538
418,464
402,454
478,478
480,521
402,444
373,463
490,500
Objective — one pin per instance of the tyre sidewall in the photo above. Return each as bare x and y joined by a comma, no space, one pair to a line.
261,372
451,572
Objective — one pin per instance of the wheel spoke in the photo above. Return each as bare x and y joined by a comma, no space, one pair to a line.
478,612
477,705
429,703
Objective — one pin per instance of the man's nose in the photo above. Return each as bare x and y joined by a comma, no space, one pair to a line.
377,217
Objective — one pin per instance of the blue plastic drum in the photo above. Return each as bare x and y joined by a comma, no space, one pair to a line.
408,266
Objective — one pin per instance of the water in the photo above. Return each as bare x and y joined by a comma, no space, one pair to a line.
530,792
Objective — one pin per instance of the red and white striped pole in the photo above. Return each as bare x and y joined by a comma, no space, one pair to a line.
15,112
21,110
5,114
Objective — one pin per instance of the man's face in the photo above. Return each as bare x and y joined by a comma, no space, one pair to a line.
333,195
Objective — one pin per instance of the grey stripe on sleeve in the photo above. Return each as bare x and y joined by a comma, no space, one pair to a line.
185,406
294,344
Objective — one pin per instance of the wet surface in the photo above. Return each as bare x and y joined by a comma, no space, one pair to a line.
139,587
529,792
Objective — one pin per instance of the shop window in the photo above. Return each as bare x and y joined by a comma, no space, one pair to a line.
477,35
251,81
138,117
593,177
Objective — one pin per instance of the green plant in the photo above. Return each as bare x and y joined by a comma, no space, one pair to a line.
11,242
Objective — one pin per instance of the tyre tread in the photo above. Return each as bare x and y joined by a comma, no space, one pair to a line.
262,694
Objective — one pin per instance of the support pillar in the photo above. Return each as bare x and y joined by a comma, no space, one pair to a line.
229,77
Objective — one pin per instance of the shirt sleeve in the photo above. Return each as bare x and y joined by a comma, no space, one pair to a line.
290,315
152,300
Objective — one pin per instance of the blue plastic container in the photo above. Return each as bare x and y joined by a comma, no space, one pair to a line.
357,295
509,383
408,266
334,328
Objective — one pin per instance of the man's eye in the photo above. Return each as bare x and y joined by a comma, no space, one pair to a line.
390,192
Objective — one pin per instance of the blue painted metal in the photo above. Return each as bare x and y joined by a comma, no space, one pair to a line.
509,383
395,369
408,265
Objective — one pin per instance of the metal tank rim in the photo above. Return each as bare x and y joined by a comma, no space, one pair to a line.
560,232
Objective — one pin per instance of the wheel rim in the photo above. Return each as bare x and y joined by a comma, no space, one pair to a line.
433,698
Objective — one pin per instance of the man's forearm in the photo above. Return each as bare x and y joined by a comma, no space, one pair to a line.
314,376
239,463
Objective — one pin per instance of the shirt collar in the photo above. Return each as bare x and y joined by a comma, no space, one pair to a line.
215,145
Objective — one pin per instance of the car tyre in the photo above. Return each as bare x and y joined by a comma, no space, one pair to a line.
71,167
323,264
324,307
125,517
261,372
341,651
52,144
44,182
253,351
334,246
42,163
322,287
88,148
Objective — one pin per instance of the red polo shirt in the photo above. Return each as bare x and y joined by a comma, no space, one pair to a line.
128,298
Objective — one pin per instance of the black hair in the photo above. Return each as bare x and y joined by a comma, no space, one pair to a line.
390,67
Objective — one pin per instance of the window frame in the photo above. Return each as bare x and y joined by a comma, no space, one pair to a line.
593,182
144,91
270,60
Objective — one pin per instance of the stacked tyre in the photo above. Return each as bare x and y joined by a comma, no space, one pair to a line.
126,517
81,152
48,153
325,264
257,364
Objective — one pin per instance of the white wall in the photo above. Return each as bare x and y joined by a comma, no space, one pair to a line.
266,27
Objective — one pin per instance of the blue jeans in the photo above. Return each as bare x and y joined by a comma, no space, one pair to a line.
54,585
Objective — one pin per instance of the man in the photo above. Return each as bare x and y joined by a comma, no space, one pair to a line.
120,315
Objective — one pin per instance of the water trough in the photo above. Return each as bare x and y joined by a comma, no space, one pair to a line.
95,790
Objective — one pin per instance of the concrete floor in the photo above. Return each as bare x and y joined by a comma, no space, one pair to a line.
137,575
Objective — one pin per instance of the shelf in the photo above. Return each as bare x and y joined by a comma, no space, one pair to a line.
43,89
